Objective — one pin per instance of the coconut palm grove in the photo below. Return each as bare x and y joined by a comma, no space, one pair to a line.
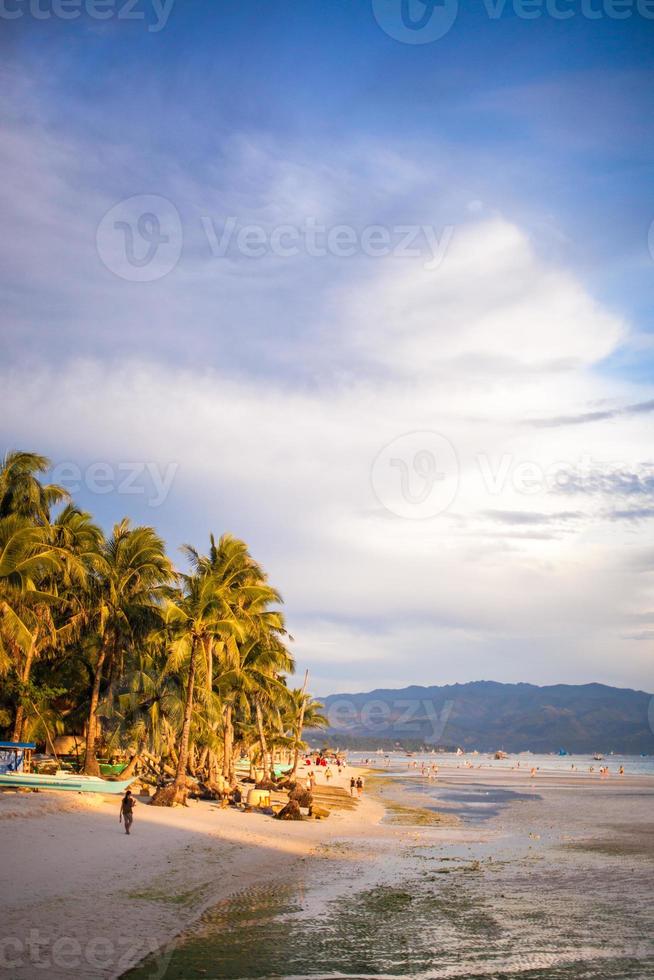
102,636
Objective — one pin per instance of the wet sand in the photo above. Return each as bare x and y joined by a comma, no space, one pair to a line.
82,899
479,873
548,878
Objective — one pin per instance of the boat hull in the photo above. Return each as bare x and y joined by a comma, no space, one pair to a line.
68,782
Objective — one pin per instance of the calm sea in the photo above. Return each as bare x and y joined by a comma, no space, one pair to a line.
400,761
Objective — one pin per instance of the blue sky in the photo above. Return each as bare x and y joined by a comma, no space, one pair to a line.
262,392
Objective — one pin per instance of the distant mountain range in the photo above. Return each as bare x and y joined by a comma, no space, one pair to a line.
486,715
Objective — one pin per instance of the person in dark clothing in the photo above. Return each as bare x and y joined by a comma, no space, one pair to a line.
127,810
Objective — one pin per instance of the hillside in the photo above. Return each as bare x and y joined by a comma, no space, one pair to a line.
487,715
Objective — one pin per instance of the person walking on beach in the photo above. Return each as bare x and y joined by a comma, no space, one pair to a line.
353,785
359,786
127,810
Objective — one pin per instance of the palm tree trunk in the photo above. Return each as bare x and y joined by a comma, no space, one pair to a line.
298,730
91,767
133,762
228,744
202,763
267,768
182,762
24,678
209,665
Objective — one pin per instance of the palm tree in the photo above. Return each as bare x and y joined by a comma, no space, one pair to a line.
61,613
265,661
248,596
199,616
21,491
26,555
36,556
95,628
305,713
126,606
147,706
27,563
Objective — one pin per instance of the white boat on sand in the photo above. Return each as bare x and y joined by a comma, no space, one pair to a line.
70,781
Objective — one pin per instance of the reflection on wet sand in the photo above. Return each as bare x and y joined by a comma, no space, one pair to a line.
549,885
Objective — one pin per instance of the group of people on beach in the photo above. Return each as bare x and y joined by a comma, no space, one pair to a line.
430,771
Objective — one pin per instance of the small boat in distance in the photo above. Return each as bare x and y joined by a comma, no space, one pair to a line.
598,757
70,781
501,755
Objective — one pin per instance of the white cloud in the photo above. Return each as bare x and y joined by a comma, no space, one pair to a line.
491,301
214,369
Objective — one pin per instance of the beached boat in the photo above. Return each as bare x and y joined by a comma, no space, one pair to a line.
112,770
242,768
70,781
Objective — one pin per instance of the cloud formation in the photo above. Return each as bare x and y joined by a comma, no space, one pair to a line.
271,385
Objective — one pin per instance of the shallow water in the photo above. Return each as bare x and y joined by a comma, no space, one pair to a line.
521,903
399,761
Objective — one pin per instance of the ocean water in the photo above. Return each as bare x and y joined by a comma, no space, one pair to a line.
546,883
400,761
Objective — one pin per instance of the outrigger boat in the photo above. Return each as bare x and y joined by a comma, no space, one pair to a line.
71,781
242,768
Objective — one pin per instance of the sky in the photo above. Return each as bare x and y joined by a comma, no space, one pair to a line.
367,284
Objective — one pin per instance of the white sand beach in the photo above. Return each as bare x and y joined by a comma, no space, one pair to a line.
81,899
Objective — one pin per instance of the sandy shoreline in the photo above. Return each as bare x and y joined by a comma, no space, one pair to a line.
82,898
85,900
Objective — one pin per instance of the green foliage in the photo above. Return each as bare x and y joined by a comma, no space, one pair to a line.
101,637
